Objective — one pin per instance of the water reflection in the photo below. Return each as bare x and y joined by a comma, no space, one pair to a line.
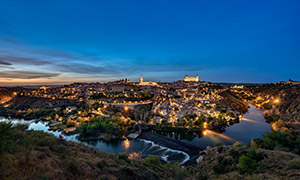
126,144
209,132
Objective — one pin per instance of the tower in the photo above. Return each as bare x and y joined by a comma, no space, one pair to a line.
141,79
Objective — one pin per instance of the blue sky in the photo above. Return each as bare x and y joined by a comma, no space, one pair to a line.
60,41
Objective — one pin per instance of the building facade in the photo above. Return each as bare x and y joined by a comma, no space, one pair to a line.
191,78
150,83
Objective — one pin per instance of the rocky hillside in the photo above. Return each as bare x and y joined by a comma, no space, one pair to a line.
234,101
6,94
37,155
244,162
288,107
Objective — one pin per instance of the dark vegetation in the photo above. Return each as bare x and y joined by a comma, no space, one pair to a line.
103,125
241,161
38,155
275,140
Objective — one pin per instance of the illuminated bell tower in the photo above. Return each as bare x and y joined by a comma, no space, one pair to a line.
141,79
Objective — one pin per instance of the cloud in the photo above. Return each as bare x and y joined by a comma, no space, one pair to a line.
26,75
10,60
82,68
4,63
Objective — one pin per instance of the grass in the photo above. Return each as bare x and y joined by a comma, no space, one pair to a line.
39,155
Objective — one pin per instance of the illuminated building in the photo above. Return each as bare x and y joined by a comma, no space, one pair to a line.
191,78
150,83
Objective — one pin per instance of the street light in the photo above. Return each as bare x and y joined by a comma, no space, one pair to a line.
276,101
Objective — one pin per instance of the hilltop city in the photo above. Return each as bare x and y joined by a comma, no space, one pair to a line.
164,114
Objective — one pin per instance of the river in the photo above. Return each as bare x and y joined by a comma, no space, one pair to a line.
252,125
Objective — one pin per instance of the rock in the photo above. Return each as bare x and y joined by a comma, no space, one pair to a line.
200,159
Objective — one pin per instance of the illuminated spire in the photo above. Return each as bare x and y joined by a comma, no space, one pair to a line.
141,79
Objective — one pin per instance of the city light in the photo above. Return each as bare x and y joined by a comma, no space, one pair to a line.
126,108
205,125
276,101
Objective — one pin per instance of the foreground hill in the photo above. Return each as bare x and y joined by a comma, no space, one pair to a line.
37,155
244,162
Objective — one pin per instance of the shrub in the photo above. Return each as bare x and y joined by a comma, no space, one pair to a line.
218,144
281,141
8,137
223,166
294,164
152,159
256,142
180,173
72,167
100,165
238,144
247,165
124,157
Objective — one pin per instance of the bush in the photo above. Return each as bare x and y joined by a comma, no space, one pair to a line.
223,166
218,144
238,144
8,137
100,165
247,165
180,173
124,157
72,167
294,164
281,141
256,142
152,159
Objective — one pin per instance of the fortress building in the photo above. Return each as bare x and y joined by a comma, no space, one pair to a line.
150,83
191,78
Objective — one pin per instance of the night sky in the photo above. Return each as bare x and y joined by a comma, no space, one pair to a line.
60,41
